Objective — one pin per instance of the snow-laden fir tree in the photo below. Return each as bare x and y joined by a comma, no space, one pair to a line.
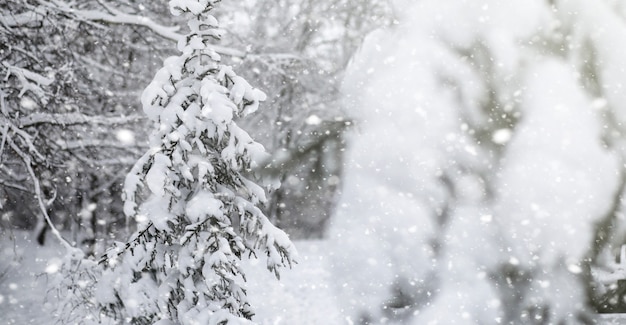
197,212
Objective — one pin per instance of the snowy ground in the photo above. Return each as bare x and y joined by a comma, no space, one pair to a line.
23,279
302,296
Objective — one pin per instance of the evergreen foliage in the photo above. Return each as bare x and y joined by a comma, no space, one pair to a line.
197,211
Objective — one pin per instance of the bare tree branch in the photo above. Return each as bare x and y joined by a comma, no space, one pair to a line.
39,194
76,118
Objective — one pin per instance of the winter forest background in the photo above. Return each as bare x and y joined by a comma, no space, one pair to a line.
439,162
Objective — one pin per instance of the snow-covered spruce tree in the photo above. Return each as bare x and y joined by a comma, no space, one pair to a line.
196,211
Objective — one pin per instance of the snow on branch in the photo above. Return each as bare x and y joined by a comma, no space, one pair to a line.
93,143
113,16
117,17
76,118
22,19
10,129
30,81
29,75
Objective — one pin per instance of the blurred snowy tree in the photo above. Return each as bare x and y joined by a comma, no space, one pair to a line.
197,212
502,186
